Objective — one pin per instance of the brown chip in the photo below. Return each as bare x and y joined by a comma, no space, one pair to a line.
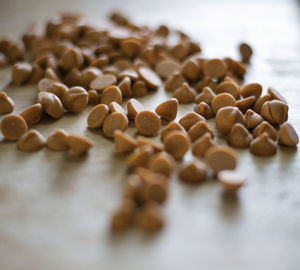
94,97
231,180
226,117
263,145
123,217
6,103
162,163
72,78
150,217
192,173
51,74
177,143
260,102
214,68
191,70
123,142
204,110
110,94
147,123
252,119
185,94
44,84
58,141
229,87
33,114
246,52
149,77
76,99
125,87
245,103
139,89
274,94
58,89
130,47
21,72
31,141
157,147
287,135
36,74
116,107
140,156
79,145
71,58
190,119
275,111
170,127
207,96
129,73
206,82
13,127
51,104
133,187
201,145
222,100
252,89
97,116
220,158
198,129
103,81
166,68
113,122
174,82
265,127
168,109
88,75
133,108
239,136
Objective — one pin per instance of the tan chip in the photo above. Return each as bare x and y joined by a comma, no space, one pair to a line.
177,143
207,96
214,68
97,116
287,135
222,100
33,114
149,77
13,127
192,173
123,142
252,119
239,136
201,145
162,163
110,94
6,103
79,144
103,81
58,140
231,180
133,108
185,94
115,121
51,104
168,109
263,145
31,141
190,119
204,110
76,99
147,123
21,72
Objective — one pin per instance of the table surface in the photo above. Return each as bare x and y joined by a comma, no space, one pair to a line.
55,210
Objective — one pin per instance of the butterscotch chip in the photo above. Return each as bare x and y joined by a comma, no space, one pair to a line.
192,173
220,158
287,135
51,74
177,143
31,141
123,217
229,87
147,123
207,95
149,77
274,94
110,94
252,89
94,97
275,111
21,72
88,75
190,119
36,74
239,136
139,89
58,89
265,127
133,108
79,144
100,61
140,156
44,85
125,87
174,82
150,217
252,119
168,109
130,47
191,70
226,117
206,82
201,145
166,68
57,140
263,145
180,51
3,60
122,64
6,103
129,73
222,100
13,127
199,129
51,104
116,107
123,142
133,187
162,163
97,116
76,99
214,68
204,110
260,102
245,103
72,78
157,147
245,51
231,180
103,81
113,122
170,127
185,94
33,114
71,58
